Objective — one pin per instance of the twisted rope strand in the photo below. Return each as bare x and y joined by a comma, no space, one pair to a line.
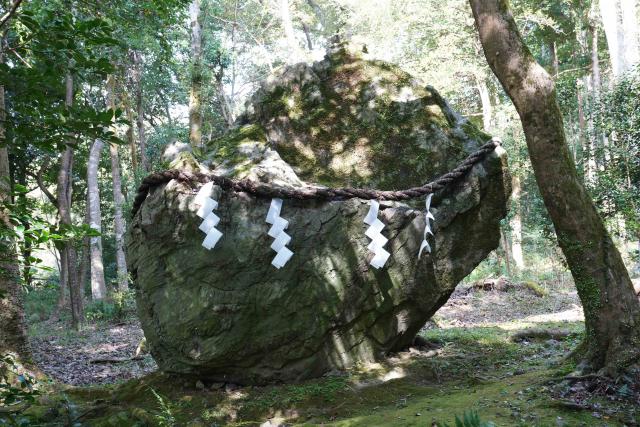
310,193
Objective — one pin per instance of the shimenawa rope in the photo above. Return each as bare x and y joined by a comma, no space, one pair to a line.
316,193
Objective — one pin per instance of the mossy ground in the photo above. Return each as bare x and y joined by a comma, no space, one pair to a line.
477,368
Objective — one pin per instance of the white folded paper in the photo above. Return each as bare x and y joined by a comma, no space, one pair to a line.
428,217
210,219
281,239
374,232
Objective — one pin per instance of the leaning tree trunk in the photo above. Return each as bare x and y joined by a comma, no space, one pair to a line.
68,253
612,311
195,95
98,287
118,198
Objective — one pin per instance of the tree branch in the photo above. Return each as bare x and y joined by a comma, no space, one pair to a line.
7,16
41,184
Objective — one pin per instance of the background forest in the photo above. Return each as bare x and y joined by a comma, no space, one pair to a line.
92,93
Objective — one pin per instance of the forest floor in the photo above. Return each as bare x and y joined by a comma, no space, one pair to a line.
502,354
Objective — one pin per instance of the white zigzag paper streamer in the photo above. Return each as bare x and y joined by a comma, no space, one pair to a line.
428,216
281,239
210,219
374,232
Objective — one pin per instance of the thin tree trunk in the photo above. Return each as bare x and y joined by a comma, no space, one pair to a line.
68,254
98,287
505,249
516,224
555,63
13,337
610,21
195,95
131,137
485,100
295,54
118,198
142,139
63,287
85,262
307,35
583,141
225,105
631,52
612,311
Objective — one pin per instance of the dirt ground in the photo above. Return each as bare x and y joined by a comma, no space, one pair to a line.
474,358
80,358
470,307
70,357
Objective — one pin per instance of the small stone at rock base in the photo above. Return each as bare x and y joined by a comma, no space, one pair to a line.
199,385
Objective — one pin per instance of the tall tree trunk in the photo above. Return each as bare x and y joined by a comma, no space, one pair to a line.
583,141
612,311
631,53
142,139
516,224
98,286
555,63
68,254
13,337
225,104
195,95
118,198
131,137
295,54
609,11
85,262
505,248
620,21
485,100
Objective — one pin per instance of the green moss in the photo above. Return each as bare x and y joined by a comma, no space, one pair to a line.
474,370
227,148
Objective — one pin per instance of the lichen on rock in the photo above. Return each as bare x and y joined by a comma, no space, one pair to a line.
228,315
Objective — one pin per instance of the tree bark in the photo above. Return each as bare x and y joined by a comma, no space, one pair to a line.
631,51
68,254
609,11
555,63
118,198
85,262
505,249
612,311
516,224
485,100
142,139
583,141
13,337
131,137
195,95
620,21
295,54
98,286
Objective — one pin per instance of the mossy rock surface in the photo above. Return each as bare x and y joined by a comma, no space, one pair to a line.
228,315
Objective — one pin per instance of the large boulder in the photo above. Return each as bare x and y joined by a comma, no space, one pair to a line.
229,315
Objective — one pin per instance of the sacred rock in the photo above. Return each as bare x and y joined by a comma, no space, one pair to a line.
227,314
